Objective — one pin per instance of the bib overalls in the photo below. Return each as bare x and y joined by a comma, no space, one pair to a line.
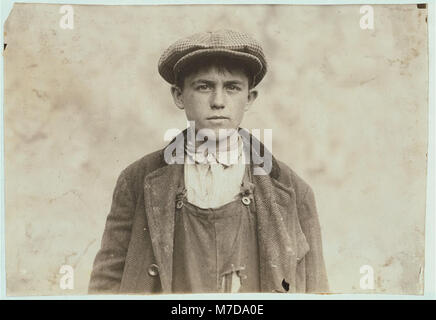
216,249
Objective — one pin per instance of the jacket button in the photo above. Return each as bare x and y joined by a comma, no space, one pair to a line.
179,204
246,200
153,270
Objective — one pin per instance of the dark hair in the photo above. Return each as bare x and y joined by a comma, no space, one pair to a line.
221,63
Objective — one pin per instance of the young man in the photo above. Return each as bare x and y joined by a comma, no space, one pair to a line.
190,218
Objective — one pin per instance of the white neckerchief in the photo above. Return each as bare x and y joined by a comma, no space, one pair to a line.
223,154
213,179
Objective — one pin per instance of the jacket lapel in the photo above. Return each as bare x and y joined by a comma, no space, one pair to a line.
276,246
160,189
279,232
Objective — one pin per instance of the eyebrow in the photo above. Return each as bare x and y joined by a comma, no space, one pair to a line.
210,82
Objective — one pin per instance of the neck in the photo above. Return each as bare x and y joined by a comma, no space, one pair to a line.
227,141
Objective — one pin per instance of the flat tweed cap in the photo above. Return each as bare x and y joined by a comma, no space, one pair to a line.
226,43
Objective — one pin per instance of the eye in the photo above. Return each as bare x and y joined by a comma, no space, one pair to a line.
233,87
203,87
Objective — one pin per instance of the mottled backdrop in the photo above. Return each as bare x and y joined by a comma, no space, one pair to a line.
348,109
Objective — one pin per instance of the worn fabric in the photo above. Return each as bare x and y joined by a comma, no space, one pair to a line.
136,254
215,249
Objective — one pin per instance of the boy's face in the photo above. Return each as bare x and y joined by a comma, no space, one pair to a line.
215,98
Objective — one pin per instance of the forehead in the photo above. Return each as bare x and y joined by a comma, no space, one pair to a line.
217,72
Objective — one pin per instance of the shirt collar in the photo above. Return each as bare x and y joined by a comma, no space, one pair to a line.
224,155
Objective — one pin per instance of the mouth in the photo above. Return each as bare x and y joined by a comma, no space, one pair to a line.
217,118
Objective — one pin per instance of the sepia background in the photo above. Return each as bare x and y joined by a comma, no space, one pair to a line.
348,109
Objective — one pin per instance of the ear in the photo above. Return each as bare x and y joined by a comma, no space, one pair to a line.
176,92
252,95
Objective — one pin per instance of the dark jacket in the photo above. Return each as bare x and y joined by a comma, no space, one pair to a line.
136,254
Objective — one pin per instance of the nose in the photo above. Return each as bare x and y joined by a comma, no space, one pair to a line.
218,99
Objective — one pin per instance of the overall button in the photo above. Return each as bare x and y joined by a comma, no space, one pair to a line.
246,200
179,204
153,270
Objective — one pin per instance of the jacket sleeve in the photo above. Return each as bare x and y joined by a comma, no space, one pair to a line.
316,275
109,262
